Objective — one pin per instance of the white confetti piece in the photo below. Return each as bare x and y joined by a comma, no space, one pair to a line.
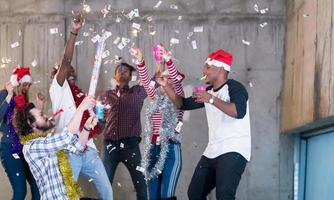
17,174
136,26
108,106
152,84
112,149
118,19
134,78
96,38
116,41
6,60
177,31
179,18
77,43
190,34
141,169
159,171
121,145
107,34
178,127
198,29
108,146
151,30
264,24
256,8
149,18
36,82
174,7
264,11
14,45
20,33
306,15
90,180
174,41
246,42
34,63
53,31
105,54
86,34
194,44
86,8
119,184
158,4
132,14
16,156
96,172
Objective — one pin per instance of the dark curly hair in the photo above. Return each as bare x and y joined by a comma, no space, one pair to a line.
22,120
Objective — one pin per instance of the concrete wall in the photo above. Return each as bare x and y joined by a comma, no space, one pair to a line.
226,23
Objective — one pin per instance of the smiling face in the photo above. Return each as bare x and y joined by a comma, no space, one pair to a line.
123,73
39,120
213,73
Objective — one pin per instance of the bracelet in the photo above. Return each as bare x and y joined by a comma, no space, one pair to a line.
86,129
76,34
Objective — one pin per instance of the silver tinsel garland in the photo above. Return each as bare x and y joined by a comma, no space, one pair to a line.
167,130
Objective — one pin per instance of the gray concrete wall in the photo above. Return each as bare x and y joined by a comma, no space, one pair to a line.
226,23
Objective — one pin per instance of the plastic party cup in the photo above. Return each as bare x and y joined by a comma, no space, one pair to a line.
157,53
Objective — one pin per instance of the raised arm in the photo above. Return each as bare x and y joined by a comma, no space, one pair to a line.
65,65
143,73
6,96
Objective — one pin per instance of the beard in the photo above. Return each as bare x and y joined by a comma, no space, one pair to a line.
45,128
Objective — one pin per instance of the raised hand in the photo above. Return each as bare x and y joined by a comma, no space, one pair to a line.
88,103
10,89
77,23
137,54
40,99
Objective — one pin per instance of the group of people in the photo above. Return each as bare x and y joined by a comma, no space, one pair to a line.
51,161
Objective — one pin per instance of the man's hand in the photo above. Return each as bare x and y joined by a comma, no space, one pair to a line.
88,103
40,99
91,122
202,96
10,89
77,23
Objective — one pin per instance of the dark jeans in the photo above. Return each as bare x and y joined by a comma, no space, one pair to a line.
129,155
223,172
18,172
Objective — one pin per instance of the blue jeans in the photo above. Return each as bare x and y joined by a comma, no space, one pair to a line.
164,186
89,164
18,173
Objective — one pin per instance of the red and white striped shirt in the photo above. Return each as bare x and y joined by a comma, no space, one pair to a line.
151,92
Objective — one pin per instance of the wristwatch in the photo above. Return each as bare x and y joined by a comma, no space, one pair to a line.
212,99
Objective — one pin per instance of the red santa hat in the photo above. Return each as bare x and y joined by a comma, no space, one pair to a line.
220,58
20,75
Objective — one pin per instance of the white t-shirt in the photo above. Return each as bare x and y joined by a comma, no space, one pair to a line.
227,134
62,98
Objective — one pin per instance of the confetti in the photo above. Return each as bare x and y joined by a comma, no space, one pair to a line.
90,180
86,8
20,33
246,42
14,45
135,33
149,18
53,31
121,145
108,107
16,156
194,44
263,24
177,31
96,172
198,29
250,83
158,4
5,60
96,38
116,41
152,84
306,15
108,146
178,127
77,43
132,14
179,18
190,34
119,184
86,34
136,26
264,11
174,41
105,71
112,149
134,78
105,54
141,169
118,19
151,30
256,8
36,82
174,7
17,174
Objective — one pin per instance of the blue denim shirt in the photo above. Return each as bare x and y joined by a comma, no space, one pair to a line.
3,111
